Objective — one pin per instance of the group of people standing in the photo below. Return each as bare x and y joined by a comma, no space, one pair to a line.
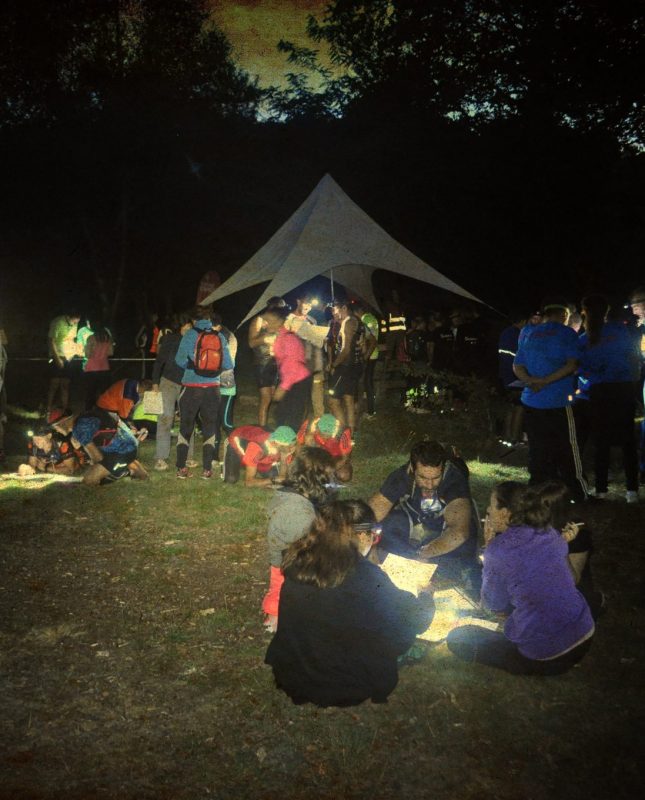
570,383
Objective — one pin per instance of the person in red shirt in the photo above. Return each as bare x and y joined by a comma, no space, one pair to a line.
264,455
294,386
329,433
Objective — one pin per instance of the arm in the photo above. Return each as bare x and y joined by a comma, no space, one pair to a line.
380,505
370,344
160,362
54,354
251,479
535,383
351,326
456,529
186,349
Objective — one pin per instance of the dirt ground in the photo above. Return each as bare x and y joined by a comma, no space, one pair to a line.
132,666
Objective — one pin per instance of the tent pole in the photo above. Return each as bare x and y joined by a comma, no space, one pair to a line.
331,277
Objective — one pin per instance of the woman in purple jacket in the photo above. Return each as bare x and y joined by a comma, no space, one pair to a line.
527,576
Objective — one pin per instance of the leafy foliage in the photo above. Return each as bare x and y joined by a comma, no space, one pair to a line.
579,63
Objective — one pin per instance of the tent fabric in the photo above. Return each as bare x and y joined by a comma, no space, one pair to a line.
329,234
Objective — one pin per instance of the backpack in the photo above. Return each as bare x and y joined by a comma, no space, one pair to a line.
207,358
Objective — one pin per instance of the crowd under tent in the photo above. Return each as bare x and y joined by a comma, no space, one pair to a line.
329,235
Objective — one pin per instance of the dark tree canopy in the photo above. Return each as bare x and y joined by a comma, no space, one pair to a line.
88,56
575,62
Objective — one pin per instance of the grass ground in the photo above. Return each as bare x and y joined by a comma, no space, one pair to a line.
132,658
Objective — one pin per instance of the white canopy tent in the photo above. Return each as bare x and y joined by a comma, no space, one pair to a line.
329,235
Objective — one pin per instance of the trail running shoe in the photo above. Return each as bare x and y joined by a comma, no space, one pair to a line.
207,473
183,473
161,465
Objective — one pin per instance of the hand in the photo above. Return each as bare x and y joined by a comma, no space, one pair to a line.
571,530
142,434
536,384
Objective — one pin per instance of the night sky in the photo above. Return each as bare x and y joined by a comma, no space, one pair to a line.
255,27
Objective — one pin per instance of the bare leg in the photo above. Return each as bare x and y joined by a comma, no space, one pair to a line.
266,395
350,411
64,392
336,408
317,395
95,475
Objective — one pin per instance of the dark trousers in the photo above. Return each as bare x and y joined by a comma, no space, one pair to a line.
612,419
553,449
204,401
224,420
482,646
291,409
370,394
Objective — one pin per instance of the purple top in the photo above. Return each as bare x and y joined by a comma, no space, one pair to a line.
527,570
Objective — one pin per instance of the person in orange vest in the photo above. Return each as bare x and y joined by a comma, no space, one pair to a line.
329,433
123,396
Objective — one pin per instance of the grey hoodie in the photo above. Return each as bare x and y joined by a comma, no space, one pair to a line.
290,516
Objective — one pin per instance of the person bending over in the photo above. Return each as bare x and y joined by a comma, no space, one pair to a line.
111,446
264,455
329,433
527,576
427,512
50,451
343,623
291,511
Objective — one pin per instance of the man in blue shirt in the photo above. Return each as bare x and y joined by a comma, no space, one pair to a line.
546,361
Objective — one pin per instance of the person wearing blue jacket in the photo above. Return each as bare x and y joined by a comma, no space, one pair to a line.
202,354
609,365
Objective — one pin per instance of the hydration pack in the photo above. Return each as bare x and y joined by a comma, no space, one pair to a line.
207,358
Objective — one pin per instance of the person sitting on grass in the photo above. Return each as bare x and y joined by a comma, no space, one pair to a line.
343,623
110,444
527,576
329,433
264,455
427,513
291,511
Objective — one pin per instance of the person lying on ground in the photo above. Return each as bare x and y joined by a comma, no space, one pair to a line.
427,513
265,455
111,446
343,623
291,511
50,451
329,433
527,575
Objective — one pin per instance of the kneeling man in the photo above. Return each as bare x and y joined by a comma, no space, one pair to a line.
427,512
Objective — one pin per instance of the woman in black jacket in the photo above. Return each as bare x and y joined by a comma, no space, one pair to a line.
342,622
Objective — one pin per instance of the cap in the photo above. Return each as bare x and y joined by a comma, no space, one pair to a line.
283,434
328,425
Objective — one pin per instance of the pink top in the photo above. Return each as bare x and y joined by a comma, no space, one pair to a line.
98,361
289,353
